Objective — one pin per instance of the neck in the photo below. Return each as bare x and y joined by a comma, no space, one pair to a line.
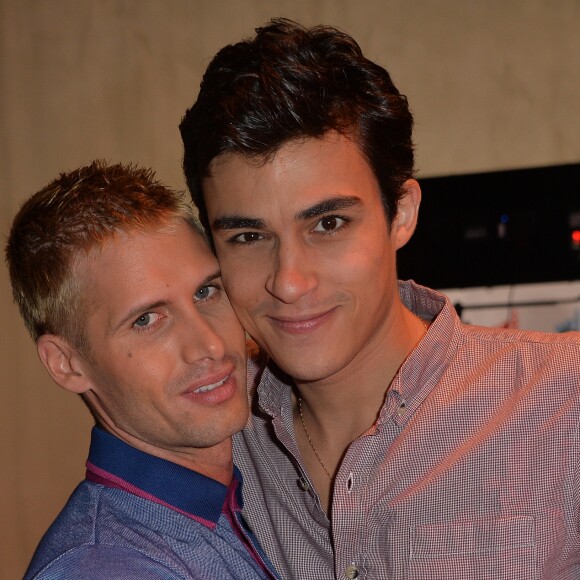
330,414
362,385
215,462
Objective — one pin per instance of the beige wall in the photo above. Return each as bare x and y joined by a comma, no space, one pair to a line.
493,84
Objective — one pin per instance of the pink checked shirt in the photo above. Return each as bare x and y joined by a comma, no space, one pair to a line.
472,470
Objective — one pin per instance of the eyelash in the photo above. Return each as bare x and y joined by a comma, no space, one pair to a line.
345,222
237,238
149,326
216,287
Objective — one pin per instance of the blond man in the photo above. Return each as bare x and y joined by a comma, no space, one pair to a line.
123,297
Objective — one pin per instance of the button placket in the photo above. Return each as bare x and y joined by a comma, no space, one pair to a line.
349,524
402,409
350,483
303,484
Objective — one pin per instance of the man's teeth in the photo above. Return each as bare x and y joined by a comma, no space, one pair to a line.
211,387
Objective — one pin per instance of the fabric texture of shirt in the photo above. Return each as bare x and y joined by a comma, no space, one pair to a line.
137,516
470,472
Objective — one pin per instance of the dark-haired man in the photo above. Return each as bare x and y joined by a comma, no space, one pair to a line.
118,287
388,440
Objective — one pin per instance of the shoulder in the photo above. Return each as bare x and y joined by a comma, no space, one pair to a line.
546,363
98,532
98,562
507,335
566,344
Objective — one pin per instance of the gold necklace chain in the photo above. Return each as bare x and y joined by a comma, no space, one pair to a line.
310,440
306,430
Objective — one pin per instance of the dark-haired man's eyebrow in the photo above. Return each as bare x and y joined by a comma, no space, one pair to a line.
328,205
237,222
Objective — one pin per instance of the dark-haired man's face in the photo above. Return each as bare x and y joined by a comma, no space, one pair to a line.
307,257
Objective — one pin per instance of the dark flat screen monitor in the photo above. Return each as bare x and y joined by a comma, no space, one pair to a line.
503,227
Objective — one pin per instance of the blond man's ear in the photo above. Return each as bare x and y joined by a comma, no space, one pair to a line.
405,222
63,363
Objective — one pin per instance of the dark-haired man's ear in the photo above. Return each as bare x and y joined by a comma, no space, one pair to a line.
408,212
62,363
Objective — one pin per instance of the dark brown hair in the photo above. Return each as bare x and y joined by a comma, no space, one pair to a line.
291,82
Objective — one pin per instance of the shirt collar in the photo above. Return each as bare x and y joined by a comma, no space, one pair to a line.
274,390
426,363
114,463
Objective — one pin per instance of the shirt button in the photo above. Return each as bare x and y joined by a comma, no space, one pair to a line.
303,484
351,571
402,408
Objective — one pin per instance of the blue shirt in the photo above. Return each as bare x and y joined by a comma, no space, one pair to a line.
137,516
